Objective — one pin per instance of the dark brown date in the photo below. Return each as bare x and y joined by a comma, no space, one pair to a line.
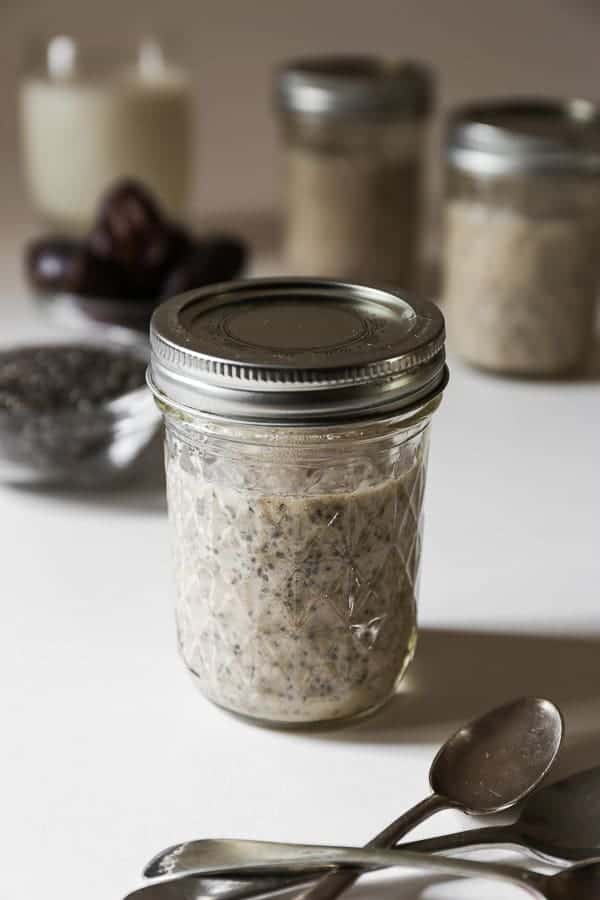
129,227
219,258
131,233
132,257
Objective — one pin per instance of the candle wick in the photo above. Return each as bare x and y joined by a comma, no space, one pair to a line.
62,57
151,60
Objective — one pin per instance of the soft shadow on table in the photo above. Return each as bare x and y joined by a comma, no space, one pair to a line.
143,493
457,675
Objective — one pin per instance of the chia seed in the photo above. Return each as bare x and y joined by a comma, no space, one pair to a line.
65,377
329,633
55,414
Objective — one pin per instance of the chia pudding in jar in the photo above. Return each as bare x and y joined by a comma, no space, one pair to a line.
522,232
297,420
355,131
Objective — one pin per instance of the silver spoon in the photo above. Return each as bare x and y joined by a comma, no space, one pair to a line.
192,888
487,766
559,823
579,882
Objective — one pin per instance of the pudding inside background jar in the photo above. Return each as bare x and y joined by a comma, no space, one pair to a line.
297,559
522,225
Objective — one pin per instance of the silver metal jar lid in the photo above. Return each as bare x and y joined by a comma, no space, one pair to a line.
295,350
354,86
497,136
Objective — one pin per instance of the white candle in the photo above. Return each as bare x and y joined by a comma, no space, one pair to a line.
81,134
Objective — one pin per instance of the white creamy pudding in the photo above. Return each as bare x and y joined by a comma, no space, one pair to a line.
294,607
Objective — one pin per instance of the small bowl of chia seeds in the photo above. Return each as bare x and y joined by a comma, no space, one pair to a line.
74,413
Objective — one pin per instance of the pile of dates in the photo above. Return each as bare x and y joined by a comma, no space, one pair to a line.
131,260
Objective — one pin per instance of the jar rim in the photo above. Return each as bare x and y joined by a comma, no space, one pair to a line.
525,134
354,85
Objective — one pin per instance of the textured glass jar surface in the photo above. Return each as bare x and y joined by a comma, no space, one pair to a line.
521,269
353,194
297,561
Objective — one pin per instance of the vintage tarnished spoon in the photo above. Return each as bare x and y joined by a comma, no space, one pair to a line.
231,858
487,766
559,823
249,888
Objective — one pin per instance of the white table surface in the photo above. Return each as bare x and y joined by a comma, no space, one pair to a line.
107,753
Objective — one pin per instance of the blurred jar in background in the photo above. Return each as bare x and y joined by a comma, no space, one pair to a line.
522,261
90,116
355,130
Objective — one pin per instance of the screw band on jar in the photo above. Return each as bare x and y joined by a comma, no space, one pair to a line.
238,350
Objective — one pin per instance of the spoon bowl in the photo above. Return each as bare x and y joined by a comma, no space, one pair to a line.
493,762
560,823
579,882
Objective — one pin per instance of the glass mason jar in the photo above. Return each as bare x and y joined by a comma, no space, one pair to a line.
92,114
522,235
355,131
297,418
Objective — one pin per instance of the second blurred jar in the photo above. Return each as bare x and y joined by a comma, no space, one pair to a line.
355,130
523,234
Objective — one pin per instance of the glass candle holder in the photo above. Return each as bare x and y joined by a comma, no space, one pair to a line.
91,115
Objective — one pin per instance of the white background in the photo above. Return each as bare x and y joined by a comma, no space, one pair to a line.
107,753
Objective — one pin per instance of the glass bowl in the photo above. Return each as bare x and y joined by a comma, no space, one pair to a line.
95,315
93,448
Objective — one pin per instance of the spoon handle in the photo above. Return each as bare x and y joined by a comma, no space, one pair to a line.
187,887
407,821
474,837
332,885
293,859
